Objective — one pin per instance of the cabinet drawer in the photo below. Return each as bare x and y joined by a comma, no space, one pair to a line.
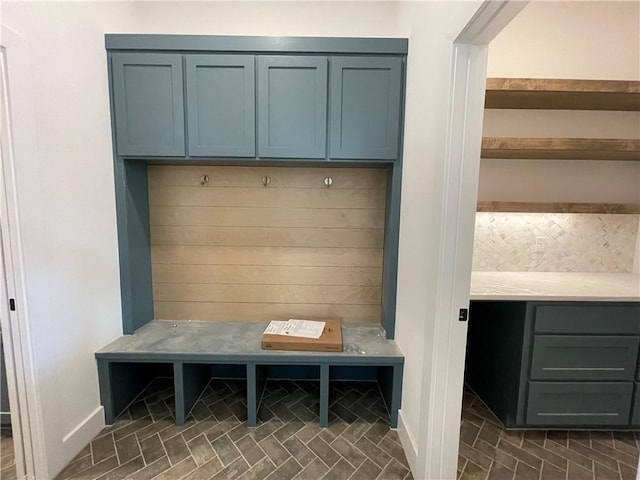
567,357
604,319
582,404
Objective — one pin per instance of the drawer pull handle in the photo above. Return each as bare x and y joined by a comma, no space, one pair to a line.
584,369
578,414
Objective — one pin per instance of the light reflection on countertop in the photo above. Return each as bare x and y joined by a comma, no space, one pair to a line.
611,287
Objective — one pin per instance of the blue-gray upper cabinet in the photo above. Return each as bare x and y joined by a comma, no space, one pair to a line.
366,95
148,104
292,106
221,105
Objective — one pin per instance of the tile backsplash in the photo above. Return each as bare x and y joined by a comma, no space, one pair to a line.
554,242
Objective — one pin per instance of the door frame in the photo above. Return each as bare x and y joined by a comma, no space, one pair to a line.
17,134
443,371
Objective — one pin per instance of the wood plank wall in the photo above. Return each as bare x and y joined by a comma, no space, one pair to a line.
234,249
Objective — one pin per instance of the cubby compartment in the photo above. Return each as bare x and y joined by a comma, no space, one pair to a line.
284,399
355,380
121,382
193,378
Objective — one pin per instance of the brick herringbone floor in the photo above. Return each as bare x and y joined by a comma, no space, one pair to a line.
489,452
7,459
216,444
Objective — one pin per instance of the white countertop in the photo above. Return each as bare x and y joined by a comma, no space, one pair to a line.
610,287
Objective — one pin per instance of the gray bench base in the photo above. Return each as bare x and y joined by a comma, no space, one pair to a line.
194,352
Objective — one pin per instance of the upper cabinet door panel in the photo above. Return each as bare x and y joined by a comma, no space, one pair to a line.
148,103
366,95
292,107
221,105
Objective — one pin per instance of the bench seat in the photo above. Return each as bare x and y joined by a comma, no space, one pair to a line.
193,352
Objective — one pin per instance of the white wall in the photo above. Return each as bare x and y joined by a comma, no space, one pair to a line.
583,40
66,193
339,19
433,26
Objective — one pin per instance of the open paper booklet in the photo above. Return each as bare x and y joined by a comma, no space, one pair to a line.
296,328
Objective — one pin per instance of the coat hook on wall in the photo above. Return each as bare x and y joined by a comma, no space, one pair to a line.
204,179
266,180
328,181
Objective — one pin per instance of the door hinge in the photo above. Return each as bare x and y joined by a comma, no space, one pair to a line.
463,315
12,305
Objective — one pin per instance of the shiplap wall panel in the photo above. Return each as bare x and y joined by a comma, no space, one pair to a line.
253,312
267,275
234,249
267,237
271,196
311,257
311,294
265,217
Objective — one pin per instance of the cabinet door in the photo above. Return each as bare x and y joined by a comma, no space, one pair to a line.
292,107
221,105
366,95
148,104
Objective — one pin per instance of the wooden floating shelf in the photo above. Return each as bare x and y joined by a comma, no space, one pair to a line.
556,207
551,94
561,148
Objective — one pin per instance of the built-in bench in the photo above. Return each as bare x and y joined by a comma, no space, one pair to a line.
195,352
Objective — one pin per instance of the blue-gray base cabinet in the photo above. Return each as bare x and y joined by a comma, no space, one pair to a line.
556,364
192,353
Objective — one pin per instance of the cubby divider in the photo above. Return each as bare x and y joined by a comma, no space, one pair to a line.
190,381
256,382
324,395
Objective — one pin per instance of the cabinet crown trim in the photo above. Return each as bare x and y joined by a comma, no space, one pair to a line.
257,44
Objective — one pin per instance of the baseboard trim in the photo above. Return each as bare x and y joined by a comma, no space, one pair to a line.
81,435
408,443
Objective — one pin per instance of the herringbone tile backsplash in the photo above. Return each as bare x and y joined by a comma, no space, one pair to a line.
511,242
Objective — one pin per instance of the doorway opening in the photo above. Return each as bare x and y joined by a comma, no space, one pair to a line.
543,398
